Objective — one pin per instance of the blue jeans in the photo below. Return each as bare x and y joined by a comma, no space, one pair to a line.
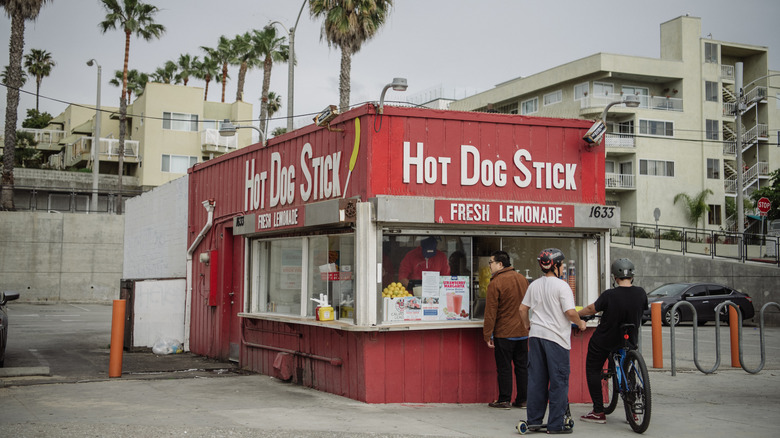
548,380
507,353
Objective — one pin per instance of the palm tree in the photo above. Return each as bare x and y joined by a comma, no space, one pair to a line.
187,67
224,54
348,24
136,82
39,64
271,49
248,59
206,70
274,105
696,207
166,73
4,77
132,17
18,11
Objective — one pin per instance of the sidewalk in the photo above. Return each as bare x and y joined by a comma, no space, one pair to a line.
727,404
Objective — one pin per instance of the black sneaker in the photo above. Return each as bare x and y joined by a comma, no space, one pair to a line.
500,405
521,405
562,431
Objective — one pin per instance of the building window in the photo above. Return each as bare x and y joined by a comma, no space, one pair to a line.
711,91
713,216
552,98
656,168
777,100
209,124
713,168
529,106
180,121
603,89
711,53
656,127
177,163
712,129
581,91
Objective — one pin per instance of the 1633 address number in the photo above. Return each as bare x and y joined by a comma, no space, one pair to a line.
601,211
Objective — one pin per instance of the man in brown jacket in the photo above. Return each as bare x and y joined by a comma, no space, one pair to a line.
504,331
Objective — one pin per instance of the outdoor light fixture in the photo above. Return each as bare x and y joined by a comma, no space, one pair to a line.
596,132
398,84
228,129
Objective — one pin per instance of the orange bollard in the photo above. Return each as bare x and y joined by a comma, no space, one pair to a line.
658,349
734,329
117,338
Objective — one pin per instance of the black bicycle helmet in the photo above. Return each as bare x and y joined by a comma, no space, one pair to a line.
550,258
623,268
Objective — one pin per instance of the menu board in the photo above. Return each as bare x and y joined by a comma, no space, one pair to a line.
442,299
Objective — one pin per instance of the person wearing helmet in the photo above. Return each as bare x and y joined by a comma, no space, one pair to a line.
549,342
623,304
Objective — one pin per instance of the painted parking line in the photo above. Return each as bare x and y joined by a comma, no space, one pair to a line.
81,308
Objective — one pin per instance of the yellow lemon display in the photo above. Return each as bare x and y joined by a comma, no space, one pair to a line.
395,290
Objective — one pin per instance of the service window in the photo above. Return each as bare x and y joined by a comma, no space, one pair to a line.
287,275
445,278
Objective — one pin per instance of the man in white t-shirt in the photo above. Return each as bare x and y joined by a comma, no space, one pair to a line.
552,302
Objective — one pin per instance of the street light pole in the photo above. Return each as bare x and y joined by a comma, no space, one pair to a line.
96,141
291,70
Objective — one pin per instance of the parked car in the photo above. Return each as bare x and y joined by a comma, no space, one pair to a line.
4,298
704,297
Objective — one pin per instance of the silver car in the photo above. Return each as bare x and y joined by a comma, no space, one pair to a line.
4,298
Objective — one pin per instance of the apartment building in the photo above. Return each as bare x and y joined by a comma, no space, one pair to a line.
682,136
169,129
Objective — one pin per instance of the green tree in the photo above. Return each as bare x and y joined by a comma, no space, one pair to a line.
187,67
27,155
165,74
39,64
771,192
4,77
207,70
18,11
36,119
224,54
695,207
274,105
270,48
279,130
131,17
347,25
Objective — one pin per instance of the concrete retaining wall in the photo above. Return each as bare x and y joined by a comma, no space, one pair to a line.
61,256
761,282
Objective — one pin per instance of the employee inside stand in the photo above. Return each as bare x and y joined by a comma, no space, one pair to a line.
423,258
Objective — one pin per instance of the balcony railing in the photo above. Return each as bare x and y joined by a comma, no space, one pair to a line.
108,149
211,141
664,103
727,72
45,138
755,94
749,176
619,141
730,148
620,181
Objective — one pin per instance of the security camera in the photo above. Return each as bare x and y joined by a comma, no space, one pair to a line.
326,115
595,133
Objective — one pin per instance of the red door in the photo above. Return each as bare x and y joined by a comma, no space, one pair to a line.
231,304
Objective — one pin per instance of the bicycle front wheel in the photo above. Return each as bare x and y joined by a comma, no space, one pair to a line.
609,387
638,399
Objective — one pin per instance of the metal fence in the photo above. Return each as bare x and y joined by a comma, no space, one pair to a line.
712,243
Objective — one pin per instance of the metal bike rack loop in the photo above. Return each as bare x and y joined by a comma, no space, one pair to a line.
717,336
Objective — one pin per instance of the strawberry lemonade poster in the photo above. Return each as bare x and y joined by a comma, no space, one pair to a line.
454,298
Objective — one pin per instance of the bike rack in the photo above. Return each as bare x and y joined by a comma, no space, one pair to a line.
717,337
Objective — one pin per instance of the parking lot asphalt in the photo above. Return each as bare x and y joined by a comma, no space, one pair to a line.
187,395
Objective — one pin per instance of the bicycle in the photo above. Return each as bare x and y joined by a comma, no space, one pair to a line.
626,374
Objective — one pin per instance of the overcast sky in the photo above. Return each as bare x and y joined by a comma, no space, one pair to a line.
456,44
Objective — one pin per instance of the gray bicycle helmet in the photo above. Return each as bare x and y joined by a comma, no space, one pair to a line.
550,258
623,268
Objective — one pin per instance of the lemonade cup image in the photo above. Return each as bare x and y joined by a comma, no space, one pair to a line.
451,302
457,303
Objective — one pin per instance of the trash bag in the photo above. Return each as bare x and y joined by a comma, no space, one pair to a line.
167,346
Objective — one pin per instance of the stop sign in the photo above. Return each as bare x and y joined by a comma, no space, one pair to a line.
763,206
